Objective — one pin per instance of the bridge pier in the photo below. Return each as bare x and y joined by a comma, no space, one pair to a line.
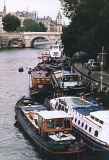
27,42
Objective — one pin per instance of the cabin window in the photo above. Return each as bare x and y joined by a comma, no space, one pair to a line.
66,123
90,129
56,105
96,133
78,122
36,122
59,124
66,109
101,122
75,120
82,124
40,121
86,127
96,119
59,106
50,124
62,107
92,117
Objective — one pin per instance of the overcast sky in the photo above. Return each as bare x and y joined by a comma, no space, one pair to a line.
43,7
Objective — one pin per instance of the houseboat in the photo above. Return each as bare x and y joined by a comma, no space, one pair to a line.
67,82
50,130
56,51
39,83
88,118
45,56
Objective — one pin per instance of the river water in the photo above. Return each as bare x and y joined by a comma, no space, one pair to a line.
13,85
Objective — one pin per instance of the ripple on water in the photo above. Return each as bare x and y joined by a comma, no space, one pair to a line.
13,85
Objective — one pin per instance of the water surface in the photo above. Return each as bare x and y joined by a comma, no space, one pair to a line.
14,145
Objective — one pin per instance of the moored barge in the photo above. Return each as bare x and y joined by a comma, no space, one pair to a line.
67,82
50,130
39,84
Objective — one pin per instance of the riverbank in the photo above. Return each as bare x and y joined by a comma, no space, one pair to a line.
96,76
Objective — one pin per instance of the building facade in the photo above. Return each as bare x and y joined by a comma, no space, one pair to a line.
50,24
2,14
1,25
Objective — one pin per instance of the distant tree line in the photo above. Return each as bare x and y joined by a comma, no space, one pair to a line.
12,23
88,29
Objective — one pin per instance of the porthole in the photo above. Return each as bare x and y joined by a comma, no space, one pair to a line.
78,122
92,117
75,120
90,129
86,127
82,125
96,134
101,122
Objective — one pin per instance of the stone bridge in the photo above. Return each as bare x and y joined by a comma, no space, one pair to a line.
28,38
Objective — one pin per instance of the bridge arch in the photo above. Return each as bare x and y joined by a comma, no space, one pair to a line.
16,42
39,42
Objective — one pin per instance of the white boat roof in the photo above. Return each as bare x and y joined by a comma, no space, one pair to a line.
101,115
64,72
54,114
74,101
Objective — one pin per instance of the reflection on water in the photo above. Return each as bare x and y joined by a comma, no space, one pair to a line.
14,145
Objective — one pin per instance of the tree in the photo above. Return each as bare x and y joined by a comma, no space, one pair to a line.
32,26
10,23
42,27
89,27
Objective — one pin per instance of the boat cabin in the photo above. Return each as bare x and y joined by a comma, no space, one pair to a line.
54,121
67,78
51,122
39,78
45,56
70,79
55,51
67,82
50,130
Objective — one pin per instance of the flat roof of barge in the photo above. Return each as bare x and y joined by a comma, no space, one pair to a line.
54,114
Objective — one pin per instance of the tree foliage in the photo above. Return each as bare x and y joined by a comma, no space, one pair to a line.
89,26
30,25
10,23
